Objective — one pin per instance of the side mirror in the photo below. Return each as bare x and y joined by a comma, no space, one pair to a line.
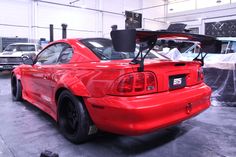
27,60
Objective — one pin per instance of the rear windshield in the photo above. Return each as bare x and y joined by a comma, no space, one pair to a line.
14,48
104,50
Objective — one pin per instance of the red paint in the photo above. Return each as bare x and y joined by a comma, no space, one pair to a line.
118,98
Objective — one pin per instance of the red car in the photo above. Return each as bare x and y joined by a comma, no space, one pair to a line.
85,84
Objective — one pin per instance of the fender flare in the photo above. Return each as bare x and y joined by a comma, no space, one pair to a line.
75,86
78,89
17,73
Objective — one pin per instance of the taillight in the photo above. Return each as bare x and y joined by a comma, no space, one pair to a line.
150,82
126,84
138,83
200,75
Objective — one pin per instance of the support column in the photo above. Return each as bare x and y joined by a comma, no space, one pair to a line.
33,22
99,21
51,32
64,30
166,11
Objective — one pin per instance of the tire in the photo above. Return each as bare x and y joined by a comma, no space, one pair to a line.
73,118
16,89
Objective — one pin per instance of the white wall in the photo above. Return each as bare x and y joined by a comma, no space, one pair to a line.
86,18
108,19
198,17
14,19
78,20
152,14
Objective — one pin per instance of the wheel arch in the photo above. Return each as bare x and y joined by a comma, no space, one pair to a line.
78,94
17,73
85,125
58,92
80,97
79,91
16,76
16,87
74,86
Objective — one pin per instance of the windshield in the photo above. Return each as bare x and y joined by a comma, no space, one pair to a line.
104,50
14,48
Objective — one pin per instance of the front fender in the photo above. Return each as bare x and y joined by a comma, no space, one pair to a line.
17,73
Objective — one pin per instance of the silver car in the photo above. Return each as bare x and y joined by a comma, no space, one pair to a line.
13,53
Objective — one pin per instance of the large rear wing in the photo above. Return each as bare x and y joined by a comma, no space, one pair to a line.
125,41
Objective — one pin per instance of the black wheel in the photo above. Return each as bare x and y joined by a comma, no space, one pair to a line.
16,89
73,118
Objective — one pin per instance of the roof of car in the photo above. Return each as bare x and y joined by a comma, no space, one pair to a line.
75,39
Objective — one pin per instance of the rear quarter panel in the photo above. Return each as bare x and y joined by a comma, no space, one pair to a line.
89,79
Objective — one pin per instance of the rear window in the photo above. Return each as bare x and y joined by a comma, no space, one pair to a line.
182,46
13,48
104,50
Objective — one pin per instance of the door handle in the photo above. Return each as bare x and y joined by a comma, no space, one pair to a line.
45,77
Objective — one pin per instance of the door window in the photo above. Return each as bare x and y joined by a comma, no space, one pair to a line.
57,53
65,55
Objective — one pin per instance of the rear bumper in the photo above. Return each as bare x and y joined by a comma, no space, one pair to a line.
143,114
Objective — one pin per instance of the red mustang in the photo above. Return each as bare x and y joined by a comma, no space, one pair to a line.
85,84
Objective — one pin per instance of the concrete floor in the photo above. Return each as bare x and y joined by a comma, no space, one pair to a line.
25,131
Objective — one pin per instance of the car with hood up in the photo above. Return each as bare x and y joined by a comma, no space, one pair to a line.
12,55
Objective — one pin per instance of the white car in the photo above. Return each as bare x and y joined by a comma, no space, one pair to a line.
13,53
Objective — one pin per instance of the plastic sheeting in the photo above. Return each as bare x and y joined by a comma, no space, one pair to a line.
175,55
220,75
223,85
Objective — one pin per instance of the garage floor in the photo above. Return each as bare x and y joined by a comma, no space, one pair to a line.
25,131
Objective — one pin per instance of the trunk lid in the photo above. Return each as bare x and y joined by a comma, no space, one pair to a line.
172,75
